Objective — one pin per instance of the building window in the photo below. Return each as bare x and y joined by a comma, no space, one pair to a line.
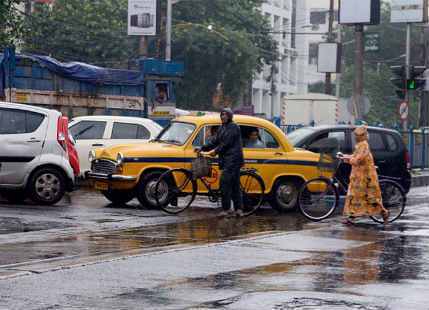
318,17
312,53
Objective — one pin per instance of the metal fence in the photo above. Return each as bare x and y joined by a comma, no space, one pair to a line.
416,140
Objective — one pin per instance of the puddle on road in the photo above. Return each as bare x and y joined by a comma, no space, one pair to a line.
322,304
201,231
10,225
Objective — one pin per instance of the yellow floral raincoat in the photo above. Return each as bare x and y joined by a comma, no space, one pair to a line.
363,195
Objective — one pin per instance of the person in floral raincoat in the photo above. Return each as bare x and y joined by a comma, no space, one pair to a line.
363,195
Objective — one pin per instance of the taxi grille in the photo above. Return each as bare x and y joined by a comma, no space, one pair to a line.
103,166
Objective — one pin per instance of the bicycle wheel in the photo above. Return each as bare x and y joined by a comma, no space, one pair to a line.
318,199
394,200
175,190
252,190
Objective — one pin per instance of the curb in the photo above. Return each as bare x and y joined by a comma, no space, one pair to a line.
420,180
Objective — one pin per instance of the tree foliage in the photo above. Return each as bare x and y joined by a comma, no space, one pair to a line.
228,52
377,73
10,22
89,31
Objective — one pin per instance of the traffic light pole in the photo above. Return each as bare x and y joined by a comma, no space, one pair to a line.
328,86
358,82
407,71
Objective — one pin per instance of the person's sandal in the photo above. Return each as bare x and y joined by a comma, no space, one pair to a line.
348,221
385,215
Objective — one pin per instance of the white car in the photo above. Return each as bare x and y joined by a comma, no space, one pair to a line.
34,160
100,131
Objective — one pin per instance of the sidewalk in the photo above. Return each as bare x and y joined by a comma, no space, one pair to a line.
420,178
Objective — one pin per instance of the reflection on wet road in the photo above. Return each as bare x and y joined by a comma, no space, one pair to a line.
199,261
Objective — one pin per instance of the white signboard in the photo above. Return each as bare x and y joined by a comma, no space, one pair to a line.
408,11
328,58
355,11
142,17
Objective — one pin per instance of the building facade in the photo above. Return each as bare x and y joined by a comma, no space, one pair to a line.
287,75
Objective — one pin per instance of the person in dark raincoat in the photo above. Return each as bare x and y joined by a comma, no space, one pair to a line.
228,145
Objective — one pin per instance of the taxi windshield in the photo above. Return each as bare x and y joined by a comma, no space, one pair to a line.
176,133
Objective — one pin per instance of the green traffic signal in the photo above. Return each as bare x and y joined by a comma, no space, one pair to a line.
411,84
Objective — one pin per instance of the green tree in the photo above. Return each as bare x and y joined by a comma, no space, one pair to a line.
10,22
377,74
89,31
228,52
236,47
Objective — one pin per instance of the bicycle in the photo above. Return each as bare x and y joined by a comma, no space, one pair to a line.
319,197
176,189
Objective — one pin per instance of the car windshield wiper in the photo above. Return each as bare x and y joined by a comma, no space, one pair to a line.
170,141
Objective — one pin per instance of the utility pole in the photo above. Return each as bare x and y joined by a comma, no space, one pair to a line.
338,75
358,83
407,70
424,99
168,30
144,46
328,87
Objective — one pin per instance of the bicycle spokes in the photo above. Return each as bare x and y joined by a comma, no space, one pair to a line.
252,190
175,190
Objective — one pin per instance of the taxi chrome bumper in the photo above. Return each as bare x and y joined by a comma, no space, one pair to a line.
109,177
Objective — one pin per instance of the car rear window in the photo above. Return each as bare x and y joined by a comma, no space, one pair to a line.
129,131
88,130
14,121
392,143
376,142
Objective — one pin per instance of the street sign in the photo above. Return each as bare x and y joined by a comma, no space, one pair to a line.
364,12
329,58
403,110
372,42
408,11
364,105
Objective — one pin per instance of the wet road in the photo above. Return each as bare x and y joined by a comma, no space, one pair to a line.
85,254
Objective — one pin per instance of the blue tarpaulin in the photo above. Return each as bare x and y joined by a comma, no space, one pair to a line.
89,73
81,71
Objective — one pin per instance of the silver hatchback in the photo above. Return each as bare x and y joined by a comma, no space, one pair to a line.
34,161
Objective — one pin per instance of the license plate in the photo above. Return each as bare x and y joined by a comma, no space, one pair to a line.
101,186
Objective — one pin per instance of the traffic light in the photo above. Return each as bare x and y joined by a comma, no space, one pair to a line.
399,80
416,80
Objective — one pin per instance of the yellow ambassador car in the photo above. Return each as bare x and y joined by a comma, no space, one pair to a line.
127,171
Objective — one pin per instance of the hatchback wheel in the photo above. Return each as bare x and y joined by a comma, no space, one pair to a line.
284,196
47,186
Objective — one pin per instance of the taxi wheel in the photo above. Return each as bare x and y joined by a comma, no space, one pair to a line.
284,197
146,190
118,197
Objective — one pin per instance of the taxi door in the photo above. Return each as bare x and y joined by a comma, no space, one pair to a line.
266,156
200,139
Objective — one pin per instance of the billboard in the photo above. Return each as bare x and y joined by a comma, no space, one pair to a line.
366,12
408,11
329,58
142,17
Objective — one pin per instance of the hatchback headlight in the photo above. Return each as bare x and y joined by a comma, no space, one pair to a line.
119,159
91,156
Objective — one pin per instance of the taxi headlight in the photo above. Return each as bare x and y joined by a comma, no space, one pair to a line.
91,156
119,159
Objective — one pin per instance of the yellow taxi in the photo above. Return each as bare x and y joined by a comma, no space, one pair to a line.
127,171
